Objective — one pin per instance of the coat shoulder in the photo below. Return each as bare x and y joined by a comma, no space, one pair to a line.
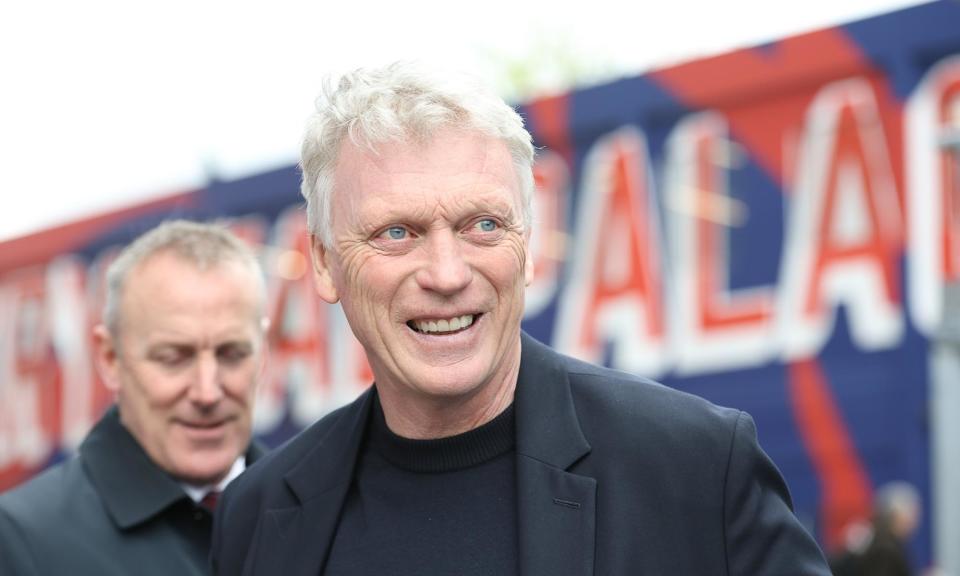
59,501
264,485
41,500
624,399
268,470
700,461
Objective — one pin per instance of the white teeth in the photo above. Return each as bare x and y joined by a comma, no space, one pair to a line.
444,325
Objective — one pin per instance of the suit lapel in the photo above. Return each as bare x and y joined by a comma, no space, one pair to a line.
557,509
299,537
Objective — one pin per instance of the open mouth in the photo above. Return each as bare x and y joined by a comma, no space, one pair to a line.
443,326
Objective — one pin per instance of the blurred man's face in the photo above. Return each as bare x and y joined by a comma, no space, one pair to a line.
906,520
185,361
430,260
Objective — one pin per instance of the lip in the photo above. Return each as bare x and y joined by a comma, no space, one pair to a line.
203,430
434,318
441,345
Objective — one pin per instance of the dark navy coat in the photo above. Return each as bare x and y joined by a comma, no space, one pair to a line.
616,475
110,511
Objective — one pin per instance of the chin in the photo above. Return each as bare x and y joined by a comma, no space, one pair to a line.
201,478
442,386
209,471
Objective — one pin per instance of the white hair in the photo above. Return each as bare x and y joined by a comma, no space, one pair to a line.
206,245
895,499
401,102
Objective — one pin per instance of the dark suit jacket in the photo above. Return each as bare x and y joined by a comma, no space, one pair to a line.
109,511
616,475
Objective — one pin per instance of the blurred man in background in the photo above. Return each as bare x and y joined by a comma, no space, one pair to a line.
880,549
181,345
896,518
480,451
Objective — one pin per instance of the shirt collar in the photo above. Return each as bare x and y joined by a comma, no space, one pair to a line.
196,493
132,487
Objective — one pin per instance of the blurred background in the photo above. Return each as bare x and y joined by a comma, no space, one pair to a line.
756,202
110,102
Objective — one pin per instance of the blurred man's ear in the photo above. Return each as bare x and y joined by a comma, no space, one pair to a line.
264,351
105,353
322,274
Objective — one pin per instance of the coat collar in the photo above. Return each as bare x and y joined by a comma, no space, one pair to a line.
329,465
294,540
556,515
132,487
547,425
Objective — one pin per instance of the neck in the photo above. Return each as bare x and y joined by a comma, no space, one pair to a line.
426,417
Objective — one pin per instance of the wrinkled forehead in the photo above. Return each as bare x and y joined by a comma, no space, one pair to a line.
466,160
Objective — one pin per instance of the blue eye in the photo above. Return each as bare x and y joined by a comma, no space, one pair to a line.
486,225
396,232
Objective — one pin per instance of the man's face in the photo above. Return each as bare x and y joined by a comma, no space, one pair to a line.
430,262
184,363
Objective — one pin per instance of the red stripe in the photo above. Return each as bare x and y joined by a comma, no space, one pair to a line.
845,488
763,92
42,246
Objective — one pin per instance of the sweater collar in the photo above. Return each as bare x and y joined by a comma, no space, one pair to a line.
435,455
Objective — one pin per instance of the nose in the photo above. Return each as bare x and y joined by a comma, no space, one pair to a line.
206,389
445,270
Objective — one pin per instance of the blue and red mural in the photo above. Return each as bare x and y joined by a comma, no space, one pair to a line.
770,228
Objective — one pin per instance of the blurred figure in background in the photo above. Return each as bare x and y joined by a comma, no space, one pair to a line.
896,517
880,549
181,346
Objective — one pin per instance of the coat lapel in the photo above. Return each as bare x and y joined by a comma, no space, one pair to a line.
299,536
557,509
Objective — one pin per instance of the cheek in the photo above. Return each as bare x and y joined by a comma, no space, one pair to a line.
153,389
240,384
514,266
370,284
353,264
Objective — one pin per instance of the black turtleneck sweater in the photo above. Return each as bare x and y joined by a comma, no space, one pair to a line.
423,507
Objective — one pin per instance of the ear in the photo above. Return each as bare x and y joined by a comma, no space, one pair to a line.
105,353
322,273
264,348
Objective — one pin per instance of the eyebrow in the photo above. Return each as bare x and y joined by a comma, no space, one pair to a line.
191,344
471,207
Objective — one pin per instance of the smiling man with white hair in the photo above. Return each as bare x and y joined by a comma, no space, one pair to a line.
478,450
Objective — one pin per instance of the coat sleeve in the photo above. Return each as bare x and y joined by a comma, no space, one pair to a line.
762,534
15,557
